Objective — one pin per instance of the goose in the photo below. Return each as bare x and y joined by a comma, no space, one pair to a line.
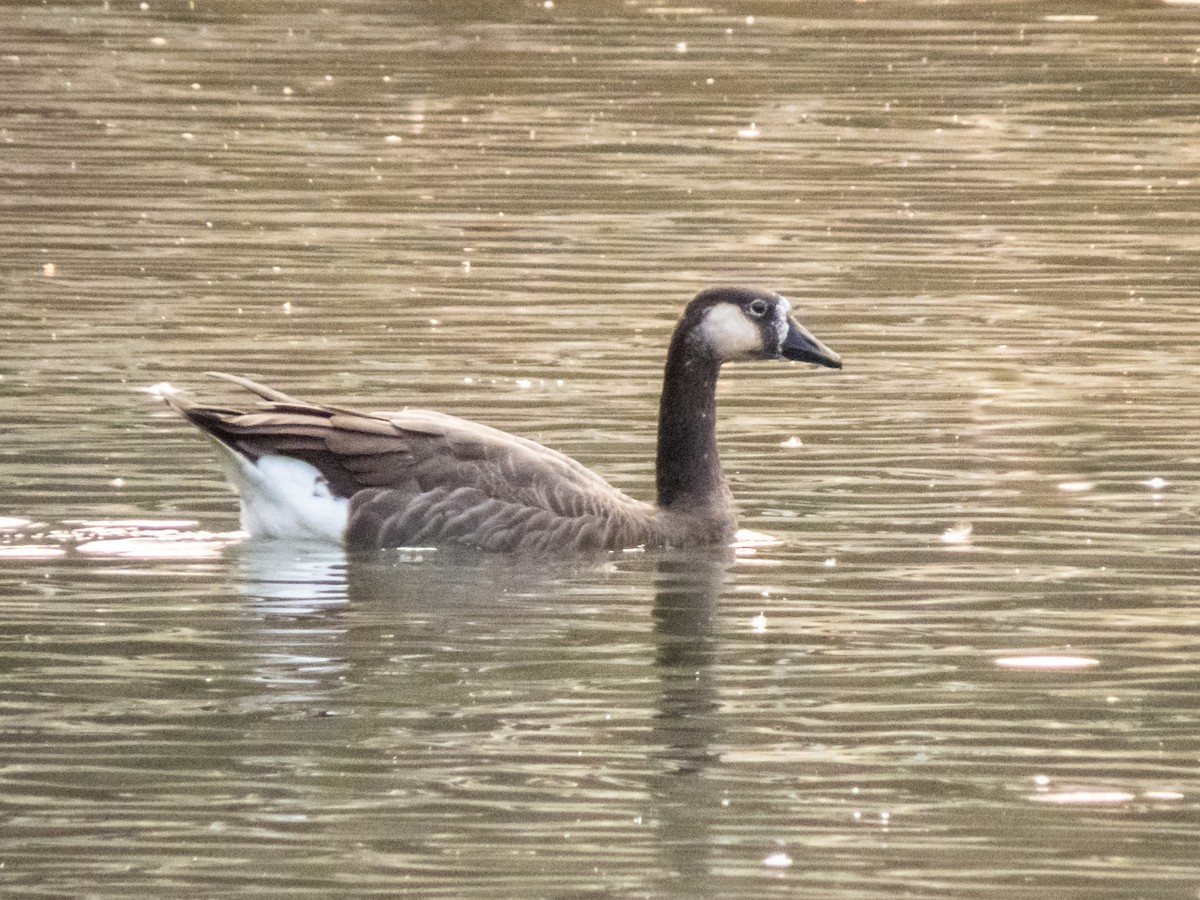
416,478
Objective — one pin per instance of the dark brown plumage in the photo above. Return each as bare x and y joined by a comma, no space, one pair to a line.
420,478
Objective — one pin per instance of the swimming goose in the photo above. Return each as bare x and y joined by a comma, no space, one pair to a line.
417,478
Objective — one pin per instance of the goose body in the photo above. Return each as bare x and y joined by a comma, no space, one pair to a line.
417,478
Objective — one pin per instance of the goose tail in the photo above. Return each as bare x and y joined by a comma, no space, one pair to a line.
281,496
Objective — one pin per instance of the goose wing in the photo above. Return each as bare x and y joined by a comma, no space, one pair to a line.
421,478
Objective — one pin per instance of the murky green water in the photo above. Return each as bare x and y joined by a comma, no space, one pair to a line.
969,667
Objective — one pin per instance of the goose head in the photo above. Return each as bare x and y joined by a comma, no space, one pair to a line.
727,324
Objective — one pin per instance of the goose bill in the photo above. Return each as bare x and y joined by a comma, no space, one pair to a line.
801,346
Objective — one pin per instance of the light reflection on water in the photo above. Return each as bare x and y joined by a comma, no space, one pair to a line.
962,664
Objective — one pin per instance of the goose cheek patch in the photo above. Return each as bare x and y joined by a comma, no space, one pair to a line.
730,334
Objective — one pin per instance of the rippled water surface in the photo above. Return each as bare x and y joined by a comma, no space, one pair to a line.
967,668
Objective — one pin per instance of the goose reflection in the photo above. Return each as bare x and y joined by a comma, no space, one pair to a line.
685,602
290,578
687,722
452,674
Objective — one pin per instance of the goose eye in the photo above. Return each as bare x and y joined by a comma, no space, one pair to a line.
758,308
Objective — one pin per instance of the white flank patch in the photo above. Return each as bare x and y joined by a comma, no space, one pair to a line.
730,334
284,497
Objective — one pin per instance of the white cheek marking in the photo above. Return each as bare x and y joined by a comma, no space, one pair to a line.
729,334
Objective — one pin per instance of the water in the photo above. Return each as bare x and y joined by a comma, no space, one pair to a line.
968,667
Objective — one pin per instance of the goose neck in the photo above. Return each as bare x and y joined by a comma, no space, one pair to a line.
689,469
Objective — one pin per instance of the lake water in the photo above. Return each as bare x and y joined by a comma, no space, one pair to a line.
968,666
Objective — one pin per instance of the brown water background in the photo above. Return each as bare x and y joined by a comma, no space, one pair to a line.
968,669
